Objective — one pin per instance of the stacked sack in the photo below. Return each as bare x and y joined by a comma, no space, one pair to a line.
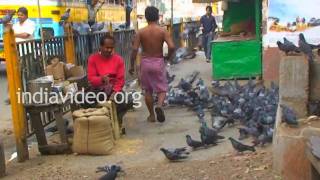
93,131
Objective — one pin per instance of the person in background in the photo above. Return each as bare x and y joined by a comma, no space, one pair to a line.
208,26
93,9
152,66
24,28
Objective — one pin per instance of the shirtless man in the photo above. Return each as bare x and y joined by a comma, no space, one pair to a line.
152,68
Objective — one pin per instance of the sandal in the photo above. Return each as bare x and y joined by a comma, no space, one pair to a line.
160,114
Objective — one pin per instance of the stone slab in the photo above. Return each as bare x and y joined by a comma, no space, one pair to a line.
294,77
315,80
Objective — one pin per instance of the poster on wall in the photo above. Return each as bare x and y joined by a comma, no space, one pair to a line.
289,18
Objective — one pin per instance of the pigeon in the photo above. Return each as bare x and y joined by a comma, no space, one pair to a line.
97,27
305,47
314,108
77,28
253,131
64,18
55,128
263,138
223,122
176,154
179,55
190,54
184,85
192,77
200,112
243,134
209,136
288,115
193,143
215,84
131,83
287,46
170,78
112,172
239,147
218,121
7,18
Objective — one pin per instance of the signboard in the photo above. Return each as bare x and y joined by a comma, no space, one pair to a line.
289,18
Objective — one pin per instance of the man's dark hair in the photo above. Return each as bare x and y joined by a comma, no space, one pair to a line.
23,10
209,7
152,14
107,36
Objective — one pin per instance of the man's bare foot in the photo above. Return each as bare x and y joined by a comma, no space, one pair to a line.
151,119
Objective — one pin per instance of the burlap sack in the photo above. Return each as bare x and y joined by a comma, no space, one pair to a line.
93,135
104,111
59,71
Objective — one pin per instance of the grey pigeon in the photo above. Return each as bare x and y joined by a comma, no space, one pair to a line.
112,172
264,138
314,108
192,77
193,143
7,18
288,115
238,146
287,46
64,18
175,155
209,136
170,78
183,53
305,47
243,134
97,27
184,85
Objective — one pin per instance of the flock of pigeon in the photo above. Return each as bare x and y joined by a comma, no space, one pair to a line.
252,106
80,28
304,47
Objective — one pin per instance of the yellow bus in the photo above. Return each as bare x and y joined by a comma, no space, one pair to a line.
51,10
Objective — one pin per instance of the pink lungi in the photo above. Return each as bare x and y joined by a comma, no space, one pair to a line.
153,75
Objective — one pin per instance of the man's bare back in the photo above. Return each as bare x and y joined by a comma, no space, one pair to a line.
152,39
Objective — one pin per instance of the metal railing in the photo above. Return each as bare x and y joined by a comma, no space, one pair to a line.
33,57
34,54
89,44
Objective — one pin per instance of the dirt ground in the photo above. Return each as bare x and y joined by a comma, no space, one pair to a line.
138,151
